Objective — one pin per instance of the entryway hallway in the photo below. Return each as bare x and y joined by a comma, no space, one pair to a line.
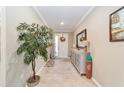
63,74
71,25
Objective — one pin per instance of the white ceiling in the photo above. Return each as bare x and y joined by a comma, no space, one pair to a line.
70,15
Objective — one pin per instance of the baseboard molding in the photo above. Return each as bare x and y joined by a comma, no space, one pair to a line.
39,71
62,58
96,82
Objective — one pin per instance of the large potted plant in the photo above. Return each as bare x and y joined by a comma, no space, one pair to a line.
34,41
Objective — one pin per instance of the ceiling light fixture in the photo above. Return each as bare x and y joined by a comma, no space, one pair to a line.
62,23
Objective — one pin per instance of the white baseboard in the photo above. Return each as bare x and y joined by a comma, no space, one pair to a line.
39,71
63,57
96,82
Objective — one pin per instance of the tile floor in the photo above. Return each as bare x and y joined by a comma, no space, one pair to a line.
63,74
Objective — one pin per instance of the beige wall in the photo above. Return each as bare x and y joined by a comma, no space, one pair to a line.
108,57
17,71
70,43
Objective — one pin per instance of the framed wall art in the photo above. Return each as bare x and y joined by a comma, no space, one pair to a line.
117,25
80,37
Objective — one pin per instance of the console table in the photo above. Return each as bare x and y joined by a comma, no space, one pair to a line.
78,59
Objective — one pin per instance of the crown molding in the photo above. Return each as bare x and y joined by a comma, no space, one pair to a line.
77,25
39,14
84,17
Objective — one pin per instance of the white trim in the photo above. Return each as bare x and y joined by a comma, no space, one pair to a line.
62,57
3,48
78,24
39,14
39,71
84,17
96,82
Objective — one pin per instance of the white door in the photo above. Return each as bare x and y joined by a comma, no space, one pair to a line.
61,48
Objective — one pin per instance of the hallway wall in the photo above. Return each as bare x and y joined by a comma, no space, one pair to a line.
17,71
108,59
70,43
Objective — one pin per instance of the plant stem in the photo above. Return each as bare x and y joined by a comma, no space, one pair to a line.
33,68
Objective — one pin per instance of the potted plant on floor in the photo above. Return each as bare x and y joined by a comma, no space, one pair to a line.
34,41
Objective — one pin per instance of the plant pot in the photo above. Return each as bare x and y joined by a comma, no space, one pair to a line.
31,82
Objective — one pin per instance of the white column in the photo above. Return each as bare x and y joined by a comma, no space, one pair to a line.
3,46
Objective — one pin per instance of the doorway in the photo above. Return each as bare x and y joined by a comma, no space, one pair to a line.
61,47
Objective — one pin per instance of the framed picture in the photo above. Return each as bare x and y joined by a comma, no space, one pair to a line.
117,25
80,37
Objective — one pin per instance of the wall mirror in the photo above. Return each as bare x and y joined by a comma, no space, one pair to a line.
80,37
117,25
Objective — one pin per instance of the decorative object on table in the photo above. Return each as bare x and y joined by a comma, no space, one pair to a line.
88,66
62,38
85,49
80,37
86,46
117,25
34,42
